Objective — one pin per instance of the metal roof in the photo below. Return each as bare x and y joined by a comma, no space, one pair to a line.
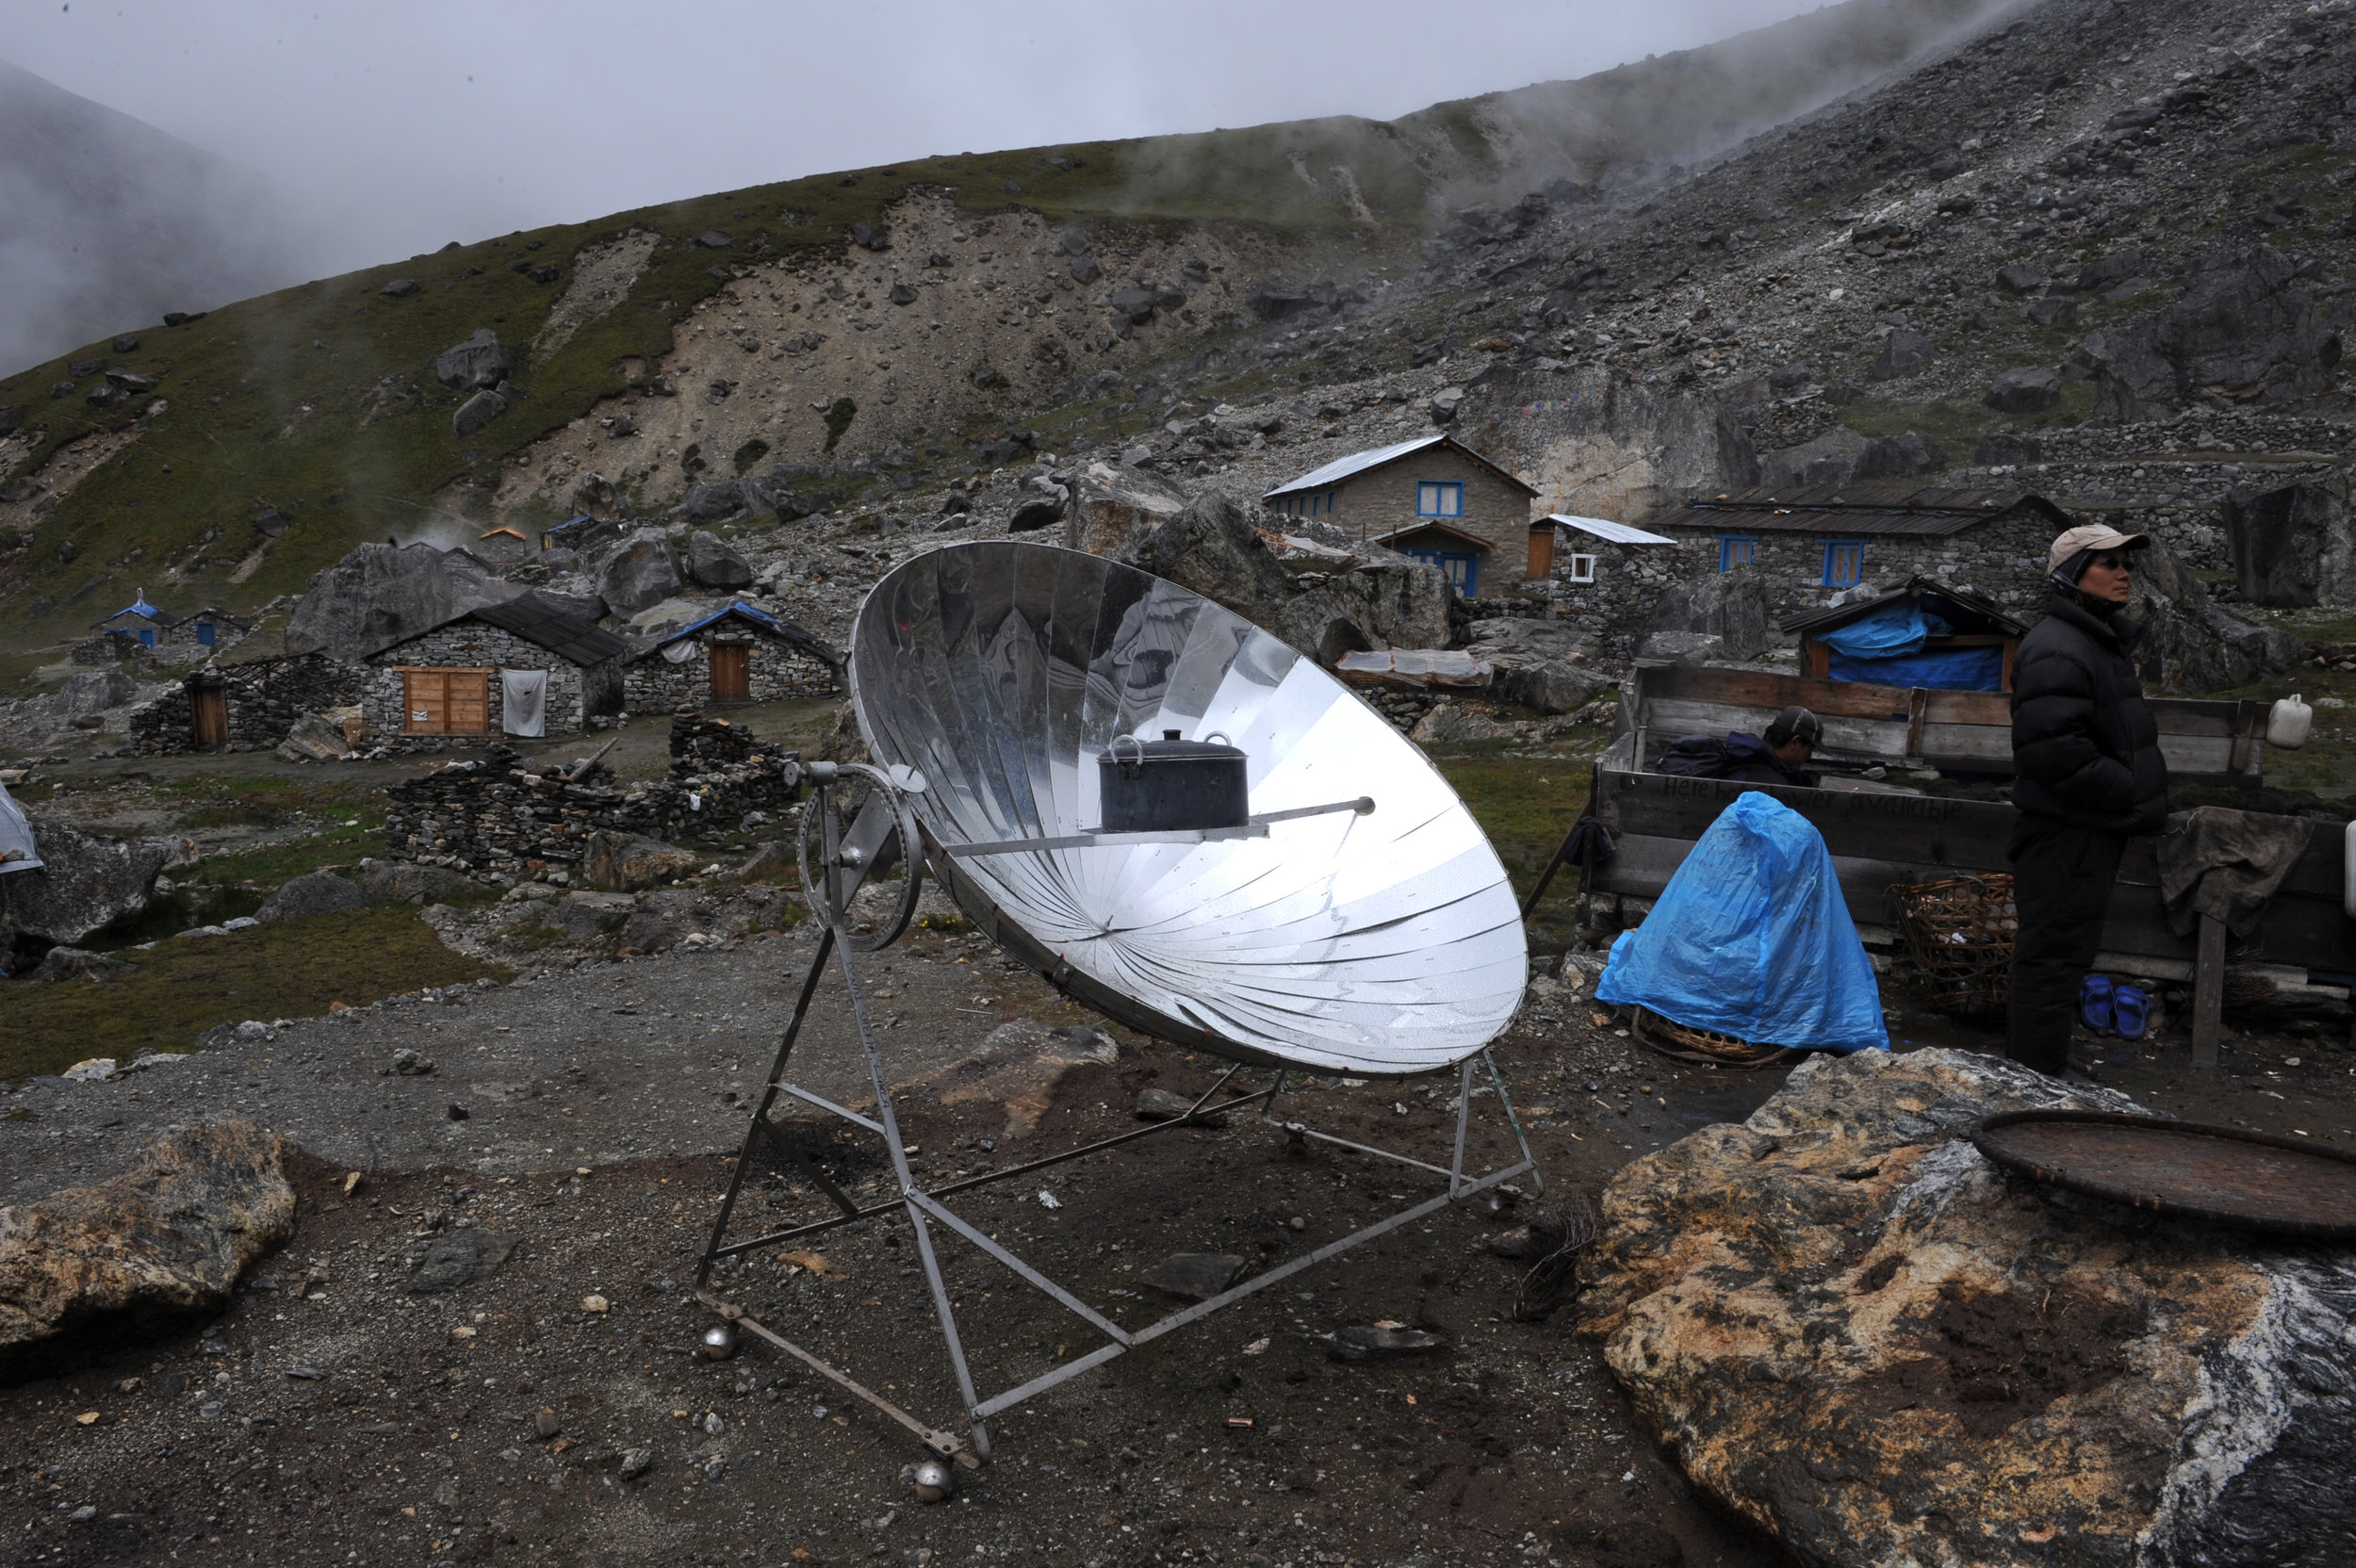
1359,463
775,626
558,628
136,607
569,522
1855,509
1604,529
1817,622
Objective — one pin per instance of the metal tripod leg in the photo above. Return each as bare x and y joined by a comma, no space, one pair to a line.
977,1433
754,1134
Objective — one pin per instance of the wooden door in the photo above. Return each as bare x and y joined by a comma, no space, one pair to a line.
209,710
731,671
446,702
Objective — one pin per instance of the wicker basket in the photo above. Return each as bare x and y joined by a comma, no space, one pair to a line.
1672,1038
1959,933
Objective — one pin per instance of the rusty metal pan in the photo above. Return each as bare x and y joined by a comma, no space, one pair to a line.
2244,1179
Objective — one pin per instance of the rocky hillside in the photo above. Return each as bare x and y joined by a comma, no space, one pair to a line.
847,339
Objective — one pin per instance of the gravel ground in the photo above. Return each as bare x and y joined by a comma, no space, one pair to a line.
337,1416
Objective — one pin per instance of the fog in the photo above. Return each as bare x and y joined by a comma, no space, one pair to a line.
385,131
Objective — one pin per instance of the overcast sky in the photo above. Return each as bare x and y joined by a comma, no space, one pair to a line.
398,127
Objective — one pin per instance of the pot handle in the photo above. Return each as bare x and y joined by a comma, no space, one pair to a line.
1219,735
1135,764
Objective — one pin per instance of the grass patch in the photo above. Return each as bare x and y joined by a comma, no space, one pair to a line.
290,969
1525,803
273,864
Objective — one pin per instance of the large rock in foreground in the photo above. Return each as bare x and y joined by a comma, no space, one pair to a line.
1861,1335
92,1269
85,884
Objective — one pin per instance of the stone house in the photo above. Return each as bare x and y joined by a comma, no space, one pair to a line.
1607,570
530,666
1809,542
203,634
734,654
138,622
1433,499
250,705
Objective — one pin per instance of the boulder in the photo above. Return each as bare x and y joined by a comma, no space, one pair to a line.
1903,351
77,963
1539,664
2021,277
581,916
2190,644
401,882
1449,722
85,884
2008,446
1213,546
88,691
1394,604
315,738
1033,513
479,364
1682,647
642,570
2293,545
1110,506
2245,327
623,862
713,562
1018,1066
318,892
1828,459
93,1270
379,594
1901,457
713,503
2024,389
477,412
1858,1335
1731,606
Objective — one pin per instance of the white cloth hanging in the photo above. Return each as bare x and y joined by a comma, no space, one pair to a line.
524,699
680,651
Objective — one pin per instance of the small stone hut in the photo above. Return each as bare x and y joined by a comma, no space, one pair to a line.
526,667
1434,498
251,706
1810,542
201,634
1609,571
138,622
734,654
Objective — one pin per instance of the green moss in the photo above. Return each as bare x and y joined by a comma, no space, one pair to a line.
749,453
288,968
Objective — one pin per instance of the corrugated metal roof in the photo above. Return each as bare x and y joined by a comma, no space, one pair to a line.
775,626
1359,463
1853,509
1433,524
1817,622
139,606
1604,529
560,628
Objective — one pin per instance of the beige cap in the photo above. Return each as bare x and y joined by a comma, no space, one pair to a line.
2092,536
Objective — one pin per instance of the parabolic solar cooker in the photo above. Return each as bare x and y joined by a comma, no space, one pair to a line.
1178,821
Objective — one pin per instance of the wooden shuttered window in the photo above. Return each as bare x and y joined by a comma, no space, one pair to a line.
446,702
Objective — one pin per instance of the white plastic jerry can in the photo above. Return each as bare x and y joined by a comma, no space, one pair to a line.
2288,724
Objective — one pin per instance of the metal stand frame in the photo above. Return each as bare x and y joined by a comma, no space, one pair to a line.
923,1208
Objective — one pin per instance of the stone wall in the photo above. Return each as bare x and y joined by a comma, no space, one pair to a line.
2002,559
266,697
1628,583
469,644
777,671
486,814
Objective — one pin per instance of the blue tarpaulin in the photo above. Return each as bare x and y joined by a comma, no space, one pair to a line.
1751,939
1897,628
1948,670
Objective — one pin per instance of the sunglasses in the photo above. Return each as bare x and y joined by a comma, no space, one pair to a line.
2114,560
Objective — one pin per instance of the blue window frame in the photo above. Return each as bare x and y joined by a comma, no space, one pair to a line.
1736,550
1461,568
1439,497
1845,563
204,634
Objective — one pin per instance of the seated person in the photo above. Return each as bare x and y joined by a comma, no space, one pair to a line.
1748,758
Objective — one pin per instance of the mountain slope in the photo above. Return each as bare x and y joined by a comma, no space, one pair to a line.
106,221
282,430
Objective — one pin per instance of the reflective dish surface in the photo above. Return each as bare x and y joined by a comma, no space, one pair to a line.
1383,945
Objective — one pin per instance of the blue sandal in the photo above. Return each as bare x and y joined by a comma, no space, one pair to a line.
2131,1011
2095,1003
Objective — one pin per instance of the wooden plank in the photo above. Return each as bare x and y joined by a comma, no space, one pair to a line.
2208,993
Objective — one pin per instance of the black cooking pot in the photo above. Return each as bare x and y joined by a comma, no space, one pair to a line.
1171,785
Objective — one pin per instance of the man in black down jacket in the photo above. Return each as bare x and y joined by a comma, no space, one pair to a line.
2087,776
